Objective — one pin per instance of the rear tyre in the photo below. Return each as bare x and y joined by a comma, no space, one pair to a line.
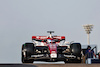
27,50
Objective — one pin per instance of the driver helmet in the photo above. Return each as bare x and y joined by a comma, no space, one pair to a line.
50,41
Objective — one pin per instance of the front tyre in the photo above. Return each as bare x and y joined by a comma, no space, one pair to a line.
75,49
27,50
24,60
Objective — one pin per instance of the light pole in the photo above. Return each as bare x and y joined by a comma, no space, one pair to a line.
88,28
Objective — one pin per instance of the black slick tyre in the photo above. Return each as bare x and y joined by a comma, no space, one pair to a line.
27,50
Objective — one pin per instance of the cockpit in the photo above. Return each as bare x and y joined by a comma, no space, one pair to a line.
49,41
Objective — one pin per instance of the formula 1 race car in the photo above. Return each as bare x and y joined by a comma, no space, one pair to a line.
50,49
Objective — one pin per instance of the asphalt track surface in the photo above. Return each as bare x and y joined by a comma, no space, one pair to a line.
50,65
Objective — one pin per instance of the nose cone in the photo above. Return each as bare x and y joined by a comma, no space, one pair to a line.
53,50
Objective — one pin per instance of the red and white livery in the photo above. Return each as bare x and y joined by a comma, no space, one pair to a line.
50,48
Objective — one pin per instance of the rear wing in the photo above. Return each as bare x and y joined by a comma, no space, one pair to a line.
44,38
59,37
